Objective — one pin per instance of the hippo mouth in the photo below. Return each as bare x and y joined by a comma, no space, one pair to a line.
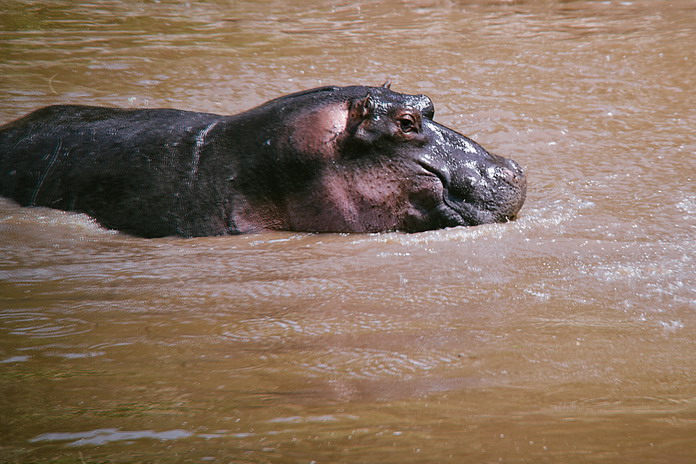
480,196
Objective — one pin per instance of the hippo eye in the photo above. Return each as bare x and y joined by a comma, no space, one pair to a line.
407,123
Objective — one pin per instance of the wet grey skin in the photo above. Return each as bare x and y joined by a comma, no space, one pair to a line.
331,159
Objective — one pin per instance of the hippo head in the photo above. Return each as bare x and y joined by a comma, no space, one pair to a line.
363,159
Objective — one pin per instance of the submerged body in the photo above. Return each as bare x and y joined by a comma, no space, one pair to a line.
332,159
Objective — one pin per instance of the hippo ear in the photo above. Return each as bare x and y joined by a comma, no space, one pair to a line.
360,109
366,106
387,84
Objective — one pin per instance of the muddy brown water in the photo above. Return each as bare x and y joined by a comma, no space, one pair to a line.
568,335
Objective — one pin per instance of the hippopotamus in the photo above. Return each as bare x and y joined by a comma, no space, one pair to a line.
329,159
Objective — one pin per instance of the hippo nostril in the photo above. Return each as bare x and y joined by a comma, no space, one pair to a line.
516,179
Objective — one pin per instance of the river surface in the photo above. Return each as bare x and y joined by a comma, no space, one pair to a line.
566,336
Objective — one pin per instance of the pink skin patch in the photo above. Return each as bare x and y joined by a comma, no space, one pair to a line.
316,132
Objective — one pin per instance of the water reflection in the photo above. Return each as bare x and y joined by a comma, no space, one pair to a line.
103,436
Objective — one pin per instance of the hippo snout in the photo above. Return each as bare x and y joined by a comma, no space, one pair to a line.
516,179
486,188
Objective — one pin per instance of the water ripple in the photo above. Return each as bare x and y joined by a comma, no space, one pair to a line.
374,363
276,329
42,325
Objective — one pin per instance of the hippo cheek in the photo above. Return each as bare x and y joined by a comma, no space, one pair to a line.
383,198
428,206
348,200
